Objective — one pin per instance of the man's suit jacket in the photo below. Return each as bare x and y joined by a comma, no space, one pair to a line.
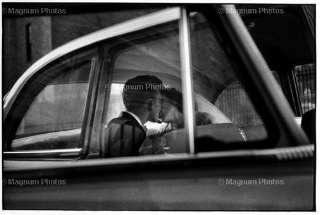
124,136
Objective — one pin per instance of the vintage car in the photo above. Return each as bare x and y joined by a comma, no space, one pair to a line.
249,67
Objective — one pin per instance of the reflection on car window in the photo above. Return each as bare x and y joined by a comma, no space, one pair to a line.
59,107
115,106
235,103
305,78
219,94
153,53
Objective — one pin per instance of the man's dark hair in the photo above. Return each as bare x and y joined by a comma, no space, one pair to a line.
138,90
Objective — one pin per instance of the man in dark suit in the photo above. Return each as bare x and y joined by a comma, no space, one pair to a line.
126,133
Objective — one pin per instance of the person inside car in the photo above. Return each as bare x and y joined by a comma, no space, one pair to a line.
142,100
172,119
172,111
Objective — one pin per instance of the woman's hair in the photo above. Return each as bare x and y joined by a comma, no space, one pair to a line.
174,97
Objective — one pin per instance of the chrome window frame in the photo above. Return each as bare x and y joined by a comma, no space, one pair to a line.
187,85
57,153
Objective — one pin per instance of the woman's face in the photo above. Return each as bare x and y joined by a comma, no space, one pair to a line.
169,112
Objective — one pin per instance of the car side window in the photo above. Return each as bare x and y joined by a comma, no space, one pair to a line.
223,110
56,106
152,53
306,83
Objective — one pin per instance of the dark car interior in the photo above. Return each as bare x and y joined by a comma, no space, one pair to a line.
284,48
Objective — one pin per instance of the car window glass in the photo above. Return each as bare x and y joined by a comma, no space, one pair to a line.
153,52
55,116
235,103
223,110
115,105
306,83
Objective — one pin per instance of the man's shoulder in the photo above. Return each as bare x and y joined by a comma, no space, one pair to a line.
125,125
124,119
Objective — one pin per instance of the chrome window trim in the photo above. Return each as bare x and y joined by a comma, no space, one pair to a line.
46,135
75,151
136,24
279,154
186,73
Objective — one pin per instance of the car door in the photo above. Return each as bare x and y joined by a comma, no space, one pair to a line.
258,161
50,115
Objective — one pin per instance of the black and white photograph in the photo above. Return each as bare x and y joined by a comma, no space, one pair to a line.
164,106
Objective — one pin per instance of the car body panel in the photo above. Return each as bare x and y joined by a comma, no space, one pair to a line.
204,182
